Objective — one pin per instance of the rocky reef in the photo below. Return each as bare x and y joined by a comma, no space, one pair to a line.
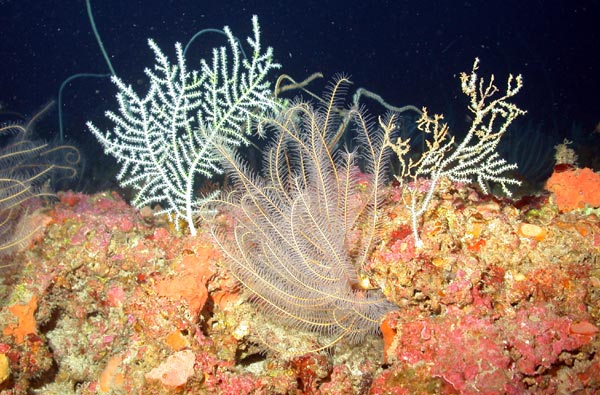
503,297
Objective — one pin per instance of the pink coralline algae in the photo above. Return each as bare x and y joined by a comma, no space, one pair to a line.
476,354
537,337
481,362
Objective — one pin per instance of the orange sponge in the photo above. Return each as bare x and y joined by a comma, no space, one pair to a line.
574,189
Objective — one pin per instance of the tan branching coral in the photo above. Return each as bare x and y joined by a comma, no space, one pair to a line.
565,155
475,157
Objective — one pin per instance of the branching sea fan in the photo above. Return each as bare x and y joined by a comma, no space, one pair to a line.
294,242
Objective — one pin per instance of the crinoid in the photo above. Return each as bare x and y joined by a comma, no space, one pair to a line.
26,167
303,229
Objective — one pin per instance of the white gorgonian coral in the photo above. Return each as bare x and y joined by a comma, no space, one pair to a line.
166,139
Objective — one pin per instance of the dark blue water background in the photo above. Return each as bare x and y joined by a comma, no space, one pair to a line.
410,52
